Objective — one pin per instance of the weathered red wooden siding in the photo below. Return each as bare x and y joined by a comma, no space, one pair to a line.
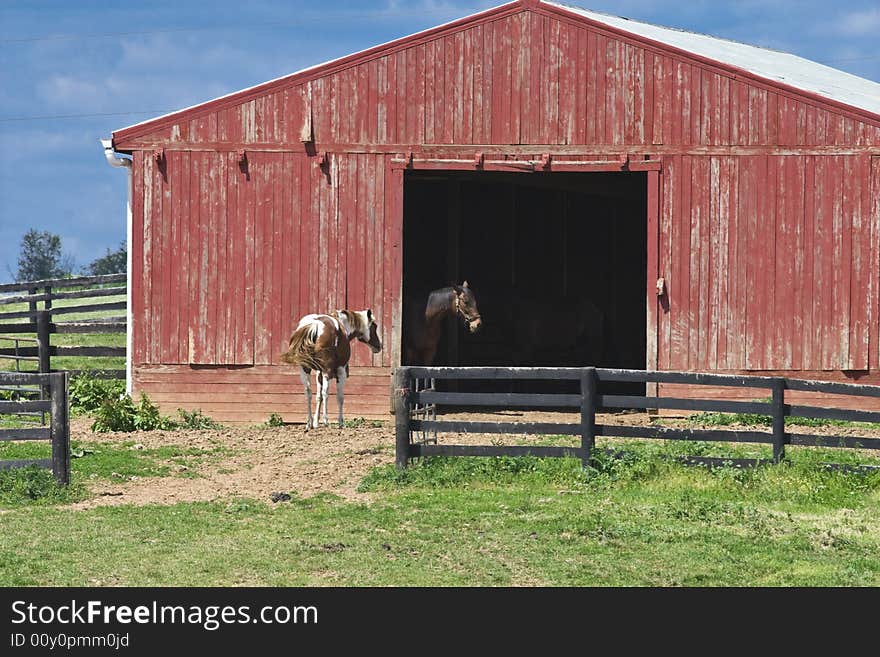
768,223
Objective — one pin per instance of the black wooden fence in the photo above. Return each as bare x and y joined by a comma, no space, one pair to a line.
408,401
50,319
58,430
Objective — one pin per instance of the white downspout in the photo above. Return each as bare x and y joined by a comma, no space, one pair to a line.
114,160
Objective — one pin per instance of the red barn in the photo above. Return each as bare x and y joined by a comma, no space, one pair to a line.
680,201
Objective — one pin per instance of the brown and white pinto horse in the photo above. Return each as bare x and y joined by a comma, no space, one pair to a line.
424,324
322,343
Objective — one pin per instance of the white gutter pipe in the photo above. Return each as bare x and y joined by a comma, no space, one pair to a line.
114,160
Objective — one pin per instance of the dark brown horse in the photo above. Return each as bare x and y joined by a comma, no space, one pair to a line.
322,343
424,324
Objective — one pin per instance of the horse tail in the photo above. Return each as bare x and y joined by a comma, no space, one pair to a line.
301,348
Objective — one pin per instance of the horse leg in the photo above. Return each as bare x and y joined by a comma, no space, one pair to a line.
319,379
341,375
325,389
307,384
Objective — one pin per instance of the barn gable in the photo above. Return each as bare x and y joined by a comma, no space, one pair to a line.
509,69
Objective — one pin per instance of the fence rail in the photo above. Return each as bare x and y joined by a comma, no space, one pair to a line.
407,398
42,320
58,430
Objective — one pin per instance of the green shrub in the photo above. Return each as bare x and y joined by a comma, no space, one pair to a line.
88,393
196,420
124,415
275,420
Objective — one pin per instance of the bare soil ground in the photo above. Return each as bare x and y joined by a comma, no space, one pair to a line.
258,461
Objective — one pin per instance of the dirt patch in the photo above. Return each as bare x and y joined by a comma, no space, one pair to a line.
259,461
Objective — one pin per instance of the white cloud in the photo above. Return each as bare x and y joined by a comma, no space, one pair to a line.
859,23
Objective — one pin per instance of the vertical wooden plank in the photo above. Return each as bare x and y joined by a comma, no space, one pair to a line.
715,308
459,130
139,277
592,90
488,108
751,254
409,94
653,270
824,249
784,270
669,177
873,208
770,228
219,209
307,167
383,108
721,266
795,187
467,90
682,226
843,215
198,250
737,286
860,236
646,116
553,36
375,253
245,339
700,250
477,103
567,84
811,360
580,65
431,91
171,251
515,66
449,78
532,100
388,297
183,261
278,252
231,285
394,217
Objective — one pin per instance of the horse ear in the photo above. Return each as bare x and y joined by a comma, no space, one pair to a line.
465,284
369,314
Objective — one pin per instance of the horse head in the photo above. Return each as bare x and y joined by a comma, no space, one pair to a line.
466,306
361,324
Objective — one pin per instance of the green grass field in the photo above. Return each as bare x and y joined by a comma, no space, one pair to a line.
639,521
69,339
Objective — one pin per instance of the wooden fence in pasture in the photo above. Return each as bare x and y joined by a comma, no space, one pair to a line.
89,293
58,430
412,419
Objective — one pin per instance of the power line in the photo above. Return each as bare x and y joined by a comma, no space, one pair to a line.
324,18
79,116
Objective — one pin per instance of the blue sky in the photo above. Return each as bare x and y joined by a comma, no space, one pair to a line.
73,71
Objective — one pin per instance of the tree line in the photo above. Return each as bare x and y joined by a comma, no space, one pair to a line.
41,257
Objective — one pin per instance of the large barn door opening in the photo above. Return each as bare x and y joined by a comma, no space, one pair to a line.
558,263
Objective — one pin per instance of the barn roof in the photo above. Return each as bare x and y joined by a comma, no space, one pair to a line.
774,66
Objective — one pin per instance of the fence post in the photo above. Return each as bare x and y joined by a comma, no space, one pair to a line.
778,406
401,394
32,305
588,414
43,319
60,427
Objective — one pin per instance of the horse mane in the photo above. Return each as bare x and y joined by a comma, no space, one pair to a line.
301,348
436,296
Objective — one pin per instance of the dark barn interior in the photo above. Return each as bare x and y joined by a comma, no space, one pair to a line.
557,262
